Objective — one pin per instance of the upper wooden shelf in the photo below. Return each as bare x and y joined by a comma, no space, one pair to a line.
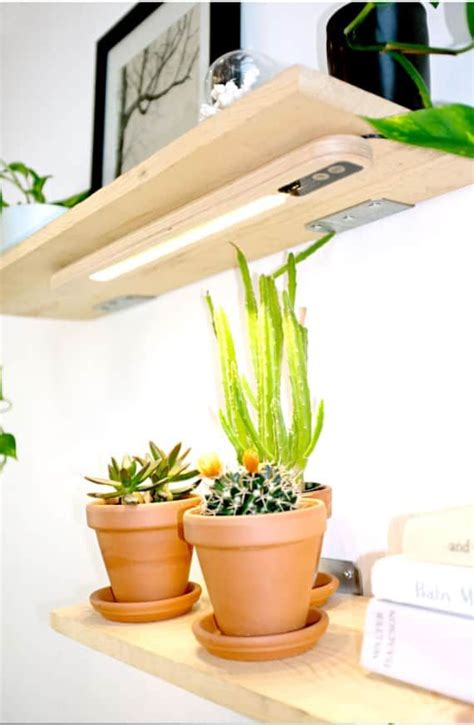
325,685
248,150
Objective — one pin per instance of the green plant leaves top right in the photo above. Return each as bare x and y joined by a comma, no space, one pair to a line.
448,128
470,18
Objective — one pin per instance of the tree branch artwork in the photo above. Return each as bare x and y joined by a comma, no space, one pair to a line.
164,65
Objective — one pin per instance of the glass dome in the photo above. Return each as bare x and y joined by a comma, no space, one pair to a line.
233,75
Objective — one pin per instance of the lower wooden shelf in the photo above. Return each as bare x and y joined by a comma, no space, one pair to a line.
324,685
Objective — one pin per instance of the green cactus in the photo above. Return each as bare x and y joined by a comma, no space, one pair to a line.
156,477
253,415
271,490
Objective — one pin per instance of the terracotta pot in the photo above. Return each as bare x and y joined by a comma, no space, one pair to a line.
323,494
258,569
143,547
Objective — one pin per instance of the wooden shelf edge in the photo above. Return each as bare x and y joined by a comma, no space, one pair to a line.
199,683
324,685
298,107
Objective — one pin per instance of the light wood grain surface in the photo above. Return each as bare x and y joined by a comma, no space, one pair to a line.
324,685
216,158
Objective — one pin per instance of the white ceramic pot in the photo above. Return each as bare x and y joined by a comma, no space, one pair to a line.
21,220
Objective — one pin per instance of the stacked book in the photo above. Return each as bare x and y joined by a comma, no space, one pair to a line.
420,624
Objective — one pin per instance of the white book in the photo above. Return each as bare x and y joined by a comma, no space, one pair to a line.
423,647
445,537
434,586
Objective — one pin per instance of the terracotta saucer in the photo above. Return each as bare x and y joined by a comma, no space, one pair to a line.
326,585
257,649
104,602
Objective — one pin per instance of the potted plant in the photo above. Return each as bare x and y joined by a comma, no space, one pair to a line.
23,218
379,73
139,524
253,415
445,127
7,440
257,541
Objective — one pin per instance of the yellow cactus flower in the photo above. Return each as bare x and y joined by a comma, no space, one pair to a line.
250,460
210,466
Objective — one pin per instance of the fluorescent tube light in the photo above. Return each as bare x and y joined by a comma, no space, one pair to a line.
219,224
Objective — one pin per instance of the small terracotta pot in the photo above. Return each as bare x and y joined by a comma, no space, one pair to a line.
143,548
258,569
323,494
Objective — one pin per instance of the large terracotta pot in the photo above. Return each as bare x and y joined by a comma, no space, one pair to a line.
258,569
143,547
323,493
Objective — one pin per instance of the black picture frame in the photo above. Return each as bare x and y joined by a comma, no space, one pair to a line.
225,35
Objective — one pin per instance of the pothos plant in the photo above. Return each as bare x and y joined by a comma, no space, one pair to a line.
253,415
7,440
31,185
448,127
150,479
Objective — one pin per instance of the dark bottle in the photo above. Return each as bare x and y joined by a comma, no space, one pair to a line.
373,71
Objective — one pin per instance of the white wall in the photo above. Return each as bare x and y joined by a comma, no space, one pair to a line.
390,315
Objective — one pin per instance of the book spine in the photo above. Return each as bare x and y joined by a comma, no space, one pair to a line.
434,586
429,649
446,537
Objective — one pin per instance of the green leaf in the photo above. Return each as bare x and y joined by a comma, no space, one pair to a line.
37,188
447,128
20,168
470,18
186,476
7,445
174,455
106,496
101,481
435,5
73,200
156,452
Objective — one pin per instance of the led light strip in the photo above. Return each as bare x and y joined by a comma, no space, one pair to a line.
171,246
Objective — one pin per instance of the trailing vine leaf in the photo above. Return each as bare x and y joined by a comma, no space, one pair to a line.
470,18
448,128
304,254
415,75
7,445
73,200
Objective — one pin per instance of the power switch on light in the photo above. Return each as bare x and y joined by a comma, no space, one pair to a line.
322,177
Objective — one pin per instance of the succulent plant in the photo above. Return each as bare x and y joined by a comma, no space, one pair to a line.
171,479
156,477
255,488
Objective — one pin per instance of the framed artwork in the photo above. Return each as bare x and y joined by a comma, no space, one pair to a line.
150,72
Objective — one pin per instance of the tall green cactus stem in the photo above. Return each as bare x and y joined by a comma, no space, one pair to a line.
253,416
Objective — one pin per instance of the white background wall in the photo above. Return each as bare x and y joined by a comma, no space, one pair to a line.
390,316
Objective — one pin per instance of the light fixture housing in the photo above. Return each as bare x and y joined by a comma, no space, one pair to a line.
258,195
192,236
